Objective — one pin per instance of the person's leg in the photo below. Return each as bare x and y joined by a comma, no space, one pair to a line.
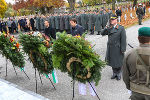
99,33
118,73
114,73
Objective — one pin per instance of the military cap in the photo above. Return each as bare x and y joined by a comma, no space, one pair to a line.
144,31
113,17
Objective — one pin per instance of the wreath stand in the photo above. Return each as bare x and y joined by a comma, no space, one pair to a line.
36,83
71,60
15,70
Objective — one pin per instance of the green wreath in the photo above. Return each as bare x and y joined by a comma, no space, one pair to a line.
70,53
9,48
37,48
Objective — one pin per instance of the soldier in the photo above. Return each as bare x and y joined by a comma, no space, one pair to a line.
52,21
84,19
67,23
38,23
116,46
98,23
136,67
62,23
105,19
119,13
140,13
57,23
42,27
91,22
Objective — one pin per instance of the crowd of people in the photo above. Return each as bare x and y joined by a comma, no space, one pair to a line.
89,20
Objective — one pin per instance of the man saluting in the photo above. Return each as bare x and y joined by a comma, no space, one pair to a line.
116,46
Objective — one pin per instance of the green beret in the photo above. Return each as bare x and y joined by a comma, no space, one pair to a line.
144,31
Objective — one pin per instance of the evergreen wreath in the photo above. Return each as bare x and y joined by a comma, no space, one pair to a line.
37,46
76,56
10,48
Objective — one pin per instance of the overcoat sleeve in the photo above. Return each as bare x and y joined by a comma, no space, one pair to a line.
123,40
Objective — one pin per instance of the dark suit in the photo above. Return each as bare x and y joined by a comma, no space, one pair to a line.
32,23
78,30
50,32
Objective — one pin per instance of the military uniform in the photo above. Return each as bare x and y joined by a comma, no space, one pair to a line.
67,23
135,73
91,23
52,21
57,23
42,26
116,46
105,19
140,13
62,23
98,23
84,20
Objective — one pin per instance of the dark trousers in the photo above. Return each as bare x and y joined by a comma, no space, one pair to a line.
99,32
140,17
92,31
116,70
10,30
139,96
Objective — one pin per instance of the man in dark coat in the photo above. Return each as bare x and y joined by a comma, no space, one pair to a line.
75,28
84,20
52,21
57,23
62,23
98,23
140,13
91,22
67,23
0,26
38,23
13,26
136,67
105,19
116,46
32,23
4,26
49,31
119,13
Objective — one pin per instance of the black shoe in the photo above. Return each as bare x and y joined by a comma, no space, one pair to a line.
98,34
118,77
114,76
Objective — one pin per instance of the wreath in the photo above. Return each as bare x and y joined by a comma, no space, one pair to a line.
10,48
38,47
76,56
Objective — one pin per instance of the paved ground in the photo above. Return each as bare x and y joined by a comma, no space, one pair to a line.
10,91
107,90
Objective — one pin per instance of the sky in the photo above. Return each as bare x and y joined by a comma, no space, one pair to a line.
12,1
